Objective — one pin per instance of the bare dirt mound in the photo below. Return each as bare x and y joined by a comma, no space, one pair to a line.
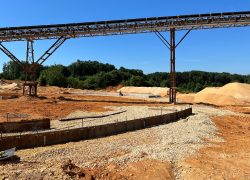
230,94
9,86
160,91
113,88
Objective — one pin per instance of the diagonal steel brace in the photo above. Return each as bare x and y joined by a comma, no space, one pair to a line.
51,50
10,55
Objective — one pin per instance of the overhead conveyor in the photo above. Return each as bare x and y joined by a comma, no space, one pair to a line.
62,32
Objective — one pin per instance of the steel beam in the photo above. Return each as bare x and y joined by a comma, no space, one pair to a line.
30,68
51,50
129,26
172,47
172,89
118,27
30,52
163,39
10,55
183,38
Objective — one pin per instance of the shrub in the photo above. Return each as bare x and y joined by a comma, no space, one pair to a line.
54,76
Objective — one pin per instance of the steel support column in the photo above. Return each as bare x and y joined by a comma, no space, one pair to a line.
172,90
30,68
172,47
29,60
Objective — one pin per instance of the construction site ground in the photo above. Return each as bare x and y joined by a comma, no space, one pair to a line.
214,143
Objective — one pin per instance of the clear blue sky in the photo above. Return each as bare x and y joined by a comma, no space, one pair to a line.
218,50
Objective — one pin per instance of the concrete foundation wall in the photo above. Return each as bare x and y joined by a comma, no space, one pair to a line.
33,125
63,136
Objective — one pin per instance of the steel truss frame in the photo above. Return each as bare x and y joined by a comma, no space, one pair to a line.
172,47
30,65
129,26
62,32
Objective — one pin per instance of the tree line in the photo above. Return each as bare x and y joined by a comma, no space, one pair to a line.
96,75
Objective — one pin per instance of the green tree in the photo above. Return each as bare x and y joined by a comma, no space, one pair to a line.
137,81
89,68
73,82
12,70
42,81
96,75
53,76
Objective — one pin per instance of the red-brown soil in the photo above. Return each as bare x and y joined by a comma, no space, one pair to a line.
224,160
221,160
51,104
240,109
144,170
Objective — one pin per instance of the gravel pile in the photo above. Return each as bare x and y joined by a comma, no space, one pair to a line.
170,142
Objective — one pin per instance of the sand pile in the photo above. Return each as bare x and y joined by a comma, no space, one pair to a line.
9,86
230,94
159,91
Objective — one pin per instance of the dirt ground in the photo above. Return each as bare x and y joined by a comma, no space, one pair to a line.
54,103
224,160
218,160
143,170
240,109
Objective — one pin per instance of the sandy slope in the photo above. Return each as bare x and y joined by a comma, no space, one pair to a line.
145,90
230,94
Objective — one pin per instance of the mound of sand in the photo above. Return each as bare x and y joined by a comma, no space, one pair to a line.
230,94
7,86
158,91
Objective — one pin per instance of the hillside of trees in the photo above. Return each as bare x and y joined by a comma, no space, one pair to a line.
96,75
